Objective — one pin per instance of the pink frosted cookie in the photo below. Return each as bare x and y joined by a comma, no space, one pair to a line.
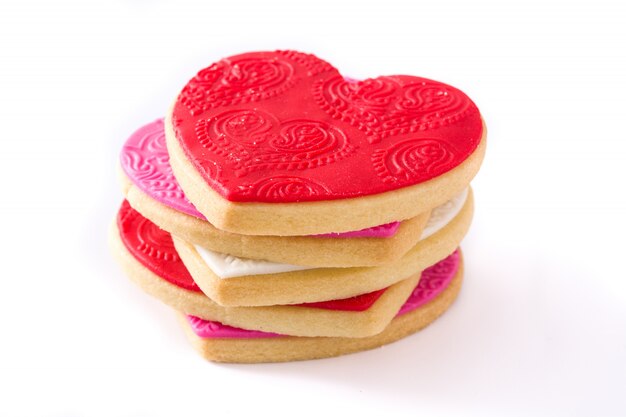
152,189
145,161
279,143
437,289
150,259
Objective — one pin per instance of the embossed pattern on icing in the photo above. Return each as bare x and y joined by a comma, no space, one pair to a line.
253,140
388,106
434,280
286,127
216,330
404,160
152,247
146,163
155,250
237,81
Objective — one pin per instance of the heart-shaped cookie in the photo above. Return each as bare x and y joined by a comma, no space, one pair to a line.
148,256
281,143
153,248
218,342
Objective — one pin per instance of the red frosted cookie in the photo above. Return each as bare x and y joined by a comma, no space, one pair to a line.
151,188
279,143
150,259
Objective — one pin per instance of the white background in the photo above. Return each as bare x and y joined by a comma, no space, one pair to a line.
540,326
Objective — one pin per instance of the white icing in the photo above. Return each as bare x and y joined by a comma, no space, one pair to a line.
443,214
228,266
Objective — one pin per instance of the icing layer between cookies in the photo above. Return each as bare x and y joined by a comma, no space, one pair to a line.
228,266
434,280
154,249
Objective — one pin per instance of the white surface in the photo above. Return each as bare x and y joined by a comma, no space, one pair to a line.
540,326
443,214
229,266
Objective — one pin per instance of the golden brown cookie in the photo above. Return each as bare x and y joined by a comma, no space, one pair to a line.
147,255
151,188
223,344
264,145
311,285
316,251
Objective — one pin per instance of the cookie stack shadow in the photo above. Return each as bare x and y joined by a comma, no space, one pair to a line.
274,293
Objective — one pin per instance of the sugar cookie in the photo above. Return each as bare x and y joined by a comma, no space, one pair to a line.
149,258
151,188
437,290
279,143
310,285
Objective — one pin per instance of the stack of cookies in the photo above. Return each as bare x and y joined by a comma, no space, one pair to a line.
287,212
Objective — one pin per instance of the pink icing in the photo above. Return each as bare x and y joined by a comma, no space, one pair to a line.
213,329
434,280
146,163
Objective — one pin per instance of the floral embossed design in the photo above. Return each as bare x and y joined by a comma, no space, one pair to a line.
434,280
237,81
252,140
285,188
145,158
146,163
213,329
154,242
152,247
437,276
388,106
313,64
239,124
409,159
125,217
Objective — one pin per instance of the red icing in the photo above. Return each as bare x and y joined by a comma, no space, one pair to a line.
153,247
359,303
285,126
